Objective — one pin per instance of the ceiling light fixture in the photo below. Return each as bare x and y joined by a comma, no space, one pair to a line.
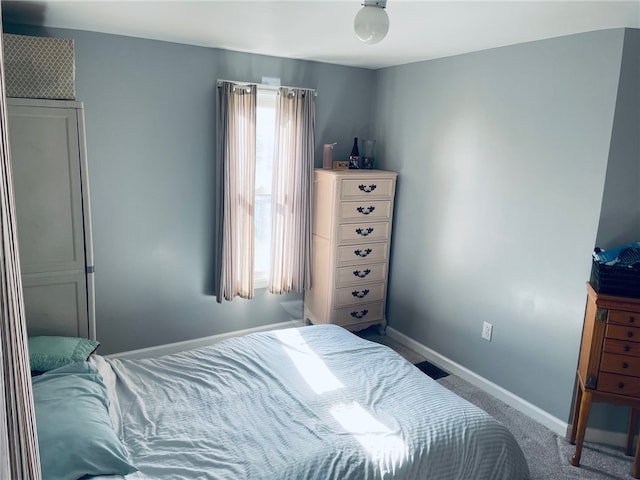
372,22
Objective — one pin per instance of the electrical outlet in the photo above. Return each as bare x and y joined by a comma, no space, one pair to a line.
487,330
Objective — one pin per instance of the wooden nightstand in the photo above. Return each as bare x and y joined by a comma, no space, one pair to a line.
609,365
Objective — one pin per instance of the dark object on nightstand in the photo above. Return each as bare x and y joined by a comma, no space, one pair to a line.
617,271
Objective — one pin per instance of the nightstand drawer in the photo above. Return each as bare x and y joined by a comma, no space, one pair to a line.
362,253
355,274
619,317
621,332
621,347
364,211
370,188
622,364
359,232
620,384
358,313
360,294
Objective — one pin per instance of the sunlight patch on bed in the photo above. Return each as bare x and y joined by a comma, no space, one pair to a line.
384,447
313,370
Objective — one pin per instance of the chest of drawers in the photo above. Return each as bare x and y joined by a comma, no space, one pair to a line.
352,218
609,364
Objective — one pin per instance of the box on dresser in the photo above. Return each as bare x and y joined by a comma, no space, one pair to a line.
352,219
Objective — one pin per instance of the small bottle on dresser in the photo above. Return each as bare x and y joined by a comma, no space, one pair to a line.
354,158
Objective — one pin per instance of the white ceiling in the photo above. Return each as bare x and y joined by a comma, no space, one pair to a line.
322,30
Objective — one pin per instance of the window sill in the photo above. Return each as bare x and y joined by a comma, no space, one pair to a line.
260,280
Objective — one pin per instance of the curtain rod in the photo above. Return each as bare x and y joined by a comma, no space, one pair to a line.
266,86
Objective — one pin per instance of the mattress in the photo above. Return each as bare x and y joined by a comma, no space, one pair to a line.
309,403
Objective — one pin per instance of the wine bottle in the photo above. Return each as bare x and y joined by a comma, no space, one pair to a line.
354,158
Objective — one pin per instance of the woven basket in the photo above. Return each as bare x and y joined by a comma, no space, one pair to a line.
615,280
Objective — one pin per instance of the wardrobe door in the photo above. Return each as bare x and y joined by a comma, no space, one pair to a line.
47,160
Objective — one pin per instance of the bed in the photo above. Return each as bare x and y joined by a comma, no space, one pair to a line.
315,402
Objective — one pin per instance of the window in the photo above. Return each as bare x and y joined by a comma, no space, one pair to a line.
265,144
265,168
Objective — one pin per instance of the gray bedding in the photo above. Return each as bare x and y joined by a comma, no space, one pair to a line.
304,403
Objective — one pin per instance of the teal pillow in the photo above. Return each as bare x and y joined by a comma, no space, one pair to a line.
75,435
47,353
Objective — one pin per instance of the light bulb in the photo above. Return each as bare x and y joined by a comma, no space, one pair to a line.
371,24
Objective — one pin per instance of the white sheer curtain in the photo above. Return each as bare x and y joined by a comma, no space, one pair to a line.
292,191
236,199
19,458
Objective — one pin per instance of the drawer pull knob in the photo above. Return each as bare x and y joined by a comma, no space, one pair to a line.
368,189
364,231
620,385
362,274
361,294
629,334
627,348
365,210
632,319
362,253
360,314
625,365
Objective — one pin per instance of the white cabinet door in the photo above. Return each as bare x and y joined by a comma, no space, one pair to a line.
47,153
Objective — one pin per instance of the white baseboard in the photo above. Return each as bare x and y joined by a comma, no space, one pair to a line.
198,342
545,418
605,437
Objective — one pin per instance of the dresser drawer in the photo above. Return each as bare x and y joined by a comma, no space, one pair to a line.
358,313
359,294
364,211
622,364
356,274
362,253
621,347
621,384
372,188
624,318
622,332
358,232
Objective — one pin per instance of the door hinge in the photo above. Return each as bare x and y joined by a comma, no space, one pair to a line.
90,269
601,314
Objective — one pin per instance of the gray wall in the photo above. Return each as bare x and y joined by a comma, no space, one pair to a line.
150,114
502,156
620,215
